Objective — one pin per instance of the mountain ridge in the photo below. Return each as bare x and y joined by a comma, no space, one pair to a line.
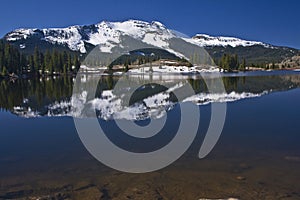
106,35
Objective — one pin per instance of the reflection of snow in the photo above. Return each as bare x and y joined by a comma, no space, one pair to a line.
206,98
25,112
110,106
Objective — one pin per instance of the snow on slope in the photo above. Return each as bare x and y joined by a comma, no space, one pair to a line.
206,40
19,34
107,35
70,36
67,36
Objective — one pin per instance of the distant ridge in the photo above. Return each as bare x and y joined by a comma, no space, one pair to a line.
108,35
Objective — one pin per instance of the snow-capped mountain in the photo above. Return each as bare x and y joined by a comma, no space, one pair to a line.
110,35
107,34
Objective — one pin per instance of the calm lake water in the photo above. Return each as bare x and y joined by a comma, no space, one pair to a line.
256,157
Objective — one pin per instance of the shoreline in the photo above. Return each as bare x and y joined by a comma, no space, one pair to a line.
138,71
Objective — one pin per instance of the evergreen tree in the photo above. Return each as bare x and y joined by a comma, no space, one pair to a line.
41,64
273,65
65,62
31,64
69,63
243,65
23,64
126,64
54,61
36,60
47,61
229,62
4,71
76,63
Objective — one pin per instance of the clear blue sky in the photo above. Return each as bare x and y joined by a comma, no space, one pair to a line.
275,22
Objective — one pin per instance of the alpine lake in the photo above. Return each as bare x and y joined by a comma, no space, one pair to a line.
256,157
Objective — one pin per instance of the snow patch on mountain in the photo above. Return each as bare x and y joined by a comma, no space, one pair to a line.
207,40
107,35
69,36
19,34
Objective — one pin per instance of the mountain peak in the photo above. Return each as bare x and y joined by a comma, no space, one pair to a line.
106,34
207,40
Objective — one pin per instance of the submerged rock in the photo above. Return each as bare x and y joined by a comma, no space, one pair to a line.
292,158
241,178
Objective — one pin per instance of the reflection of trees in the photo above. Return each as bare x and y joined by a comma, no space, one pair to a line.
38,92
253,84
230,83
198,85
258,84
43,92
110,82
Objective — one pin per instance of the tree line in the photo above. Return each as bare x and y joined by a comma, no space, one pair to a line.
38,63
230,62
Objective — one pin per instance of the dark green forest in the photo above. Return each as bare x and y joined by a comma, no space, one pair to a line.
57,61
231,63
48,63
